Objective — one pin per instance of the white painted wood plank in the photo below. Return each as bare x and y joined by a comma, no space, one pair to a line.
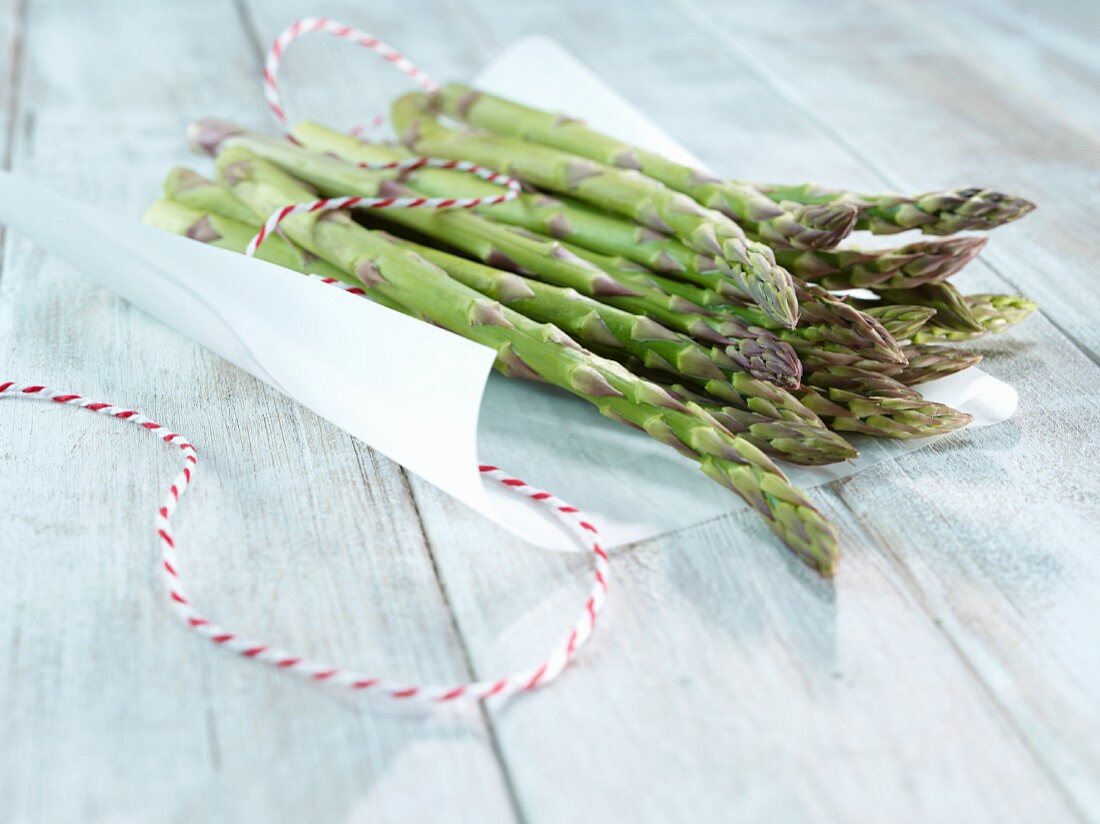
110,710
998,538
1046,52
727,682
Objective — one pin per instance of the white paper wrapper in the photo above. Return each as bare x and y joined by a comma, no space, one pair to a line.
336,355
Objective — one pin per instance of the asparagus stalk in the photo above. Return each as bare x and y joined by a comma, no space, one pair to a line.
595,324
927,261
474,234
994,313
208,226
952,310
855,400
561,218
761,352
227,233
827,330
582,317
900,320
789,224
763,413
928,361
185,186
594,237
933,213
763,398
526,348
749,264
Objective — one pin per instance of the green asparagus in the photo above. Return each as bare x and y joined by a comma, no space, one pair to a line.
828,329
790,440
831,330
790,225
226,233
529,349
750,265
933,213
561,218
592,323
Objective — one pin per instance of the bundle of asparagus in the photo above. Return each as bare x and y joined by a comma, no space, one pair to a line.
695,309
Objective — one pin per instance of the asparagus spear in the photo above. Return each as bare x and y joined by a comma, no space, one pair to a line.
526,348
185,186
994,313
900,320
928,361
855,400
749,264
788,224
587,320
595,324
933,213
578,315
914,264
561,218
952,310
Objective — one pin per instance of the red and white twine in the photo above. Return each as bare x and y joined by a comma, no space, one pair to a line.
365,39
542,673
568,516
416,202
401,63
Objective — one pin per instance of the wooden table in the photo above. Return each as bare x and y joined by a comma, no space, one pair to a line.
950,671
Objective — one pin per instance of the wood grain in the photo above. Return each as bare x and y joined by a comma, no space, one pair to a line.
945,675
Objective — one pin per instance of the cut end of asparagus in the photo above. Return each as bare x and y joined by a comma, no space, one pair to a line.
202,231
181,180
207,135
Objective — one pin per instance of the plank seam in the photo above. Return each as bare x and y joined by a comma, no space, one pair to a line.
15,83
250,30
917,592
471,670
